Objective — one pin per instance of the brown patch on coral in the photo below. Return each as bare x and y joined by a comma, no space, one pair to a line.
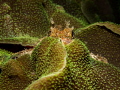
13,76
21,53
111,26
102,40
99,58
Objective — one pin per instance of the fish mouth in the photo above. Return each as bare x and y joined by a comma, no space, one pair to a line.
66,40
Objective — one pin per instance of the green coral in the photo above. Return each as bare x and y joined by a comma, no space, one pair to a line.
111,26
85,72
17,73
59,18
49,7
102,39
51,65
4,56
25,40
92,10
49,50
62,79
79,72
24,19
73,8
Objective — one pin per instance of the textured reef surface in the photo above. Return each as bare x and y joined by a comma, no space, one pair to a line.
59,45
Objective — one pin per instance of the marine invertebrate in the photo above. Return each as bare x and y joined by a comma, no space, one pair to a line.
99,58
59,17
53,53
13,76
20,18
103,39
54,62
79,72
49,7
4,56
92,11
95,12
72,7
24,40
54,65
62,78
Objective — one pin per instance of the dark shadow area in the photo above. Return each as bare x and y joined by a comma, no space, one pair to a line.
14,47
0,70
13,76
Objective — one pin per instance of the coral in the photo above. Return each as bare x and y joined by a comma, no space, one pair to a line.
4,56
85,72
64,78
73,8
102,39
31,60
20,18
94,10
99,58
53,65
111,26
24,40
79,72
49,50
49,7
14,75
60,17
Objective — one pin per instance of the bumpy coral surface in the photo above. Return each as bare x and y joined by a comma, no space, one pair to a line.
19,17
103,39
54,65
69,54
77,71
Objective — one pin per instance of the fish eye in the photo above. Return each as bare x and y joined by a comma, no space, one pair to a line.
49,32
60,40
73,35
